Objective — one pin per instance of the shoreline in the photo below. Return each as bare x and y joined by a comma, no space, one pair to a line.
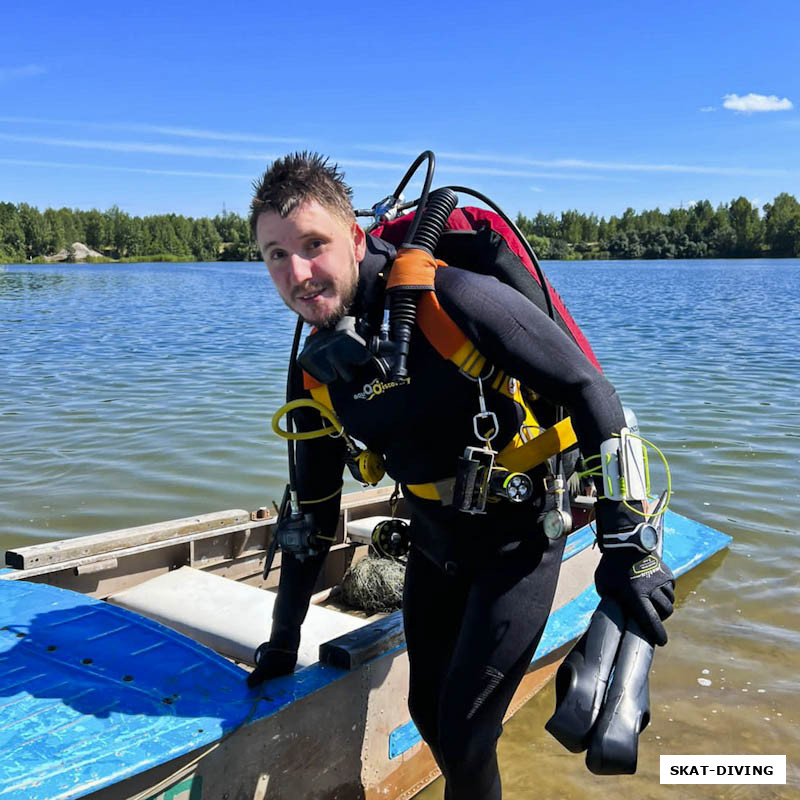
170,259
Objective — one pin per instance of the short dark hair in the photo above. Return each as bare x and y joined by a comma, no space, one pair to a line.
297,178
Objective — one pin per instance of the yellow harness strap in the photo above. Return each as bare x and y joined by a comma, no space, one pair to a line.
427,491
537,451
322,395
514,457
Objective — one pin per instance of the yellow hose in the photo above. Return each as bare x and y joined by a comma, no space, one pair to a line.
335,428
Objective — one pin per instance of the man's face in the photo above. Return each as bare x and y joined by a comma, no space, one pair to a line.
312,256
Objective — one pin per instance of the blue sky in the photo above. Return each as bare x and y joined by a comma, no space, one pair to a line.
177,106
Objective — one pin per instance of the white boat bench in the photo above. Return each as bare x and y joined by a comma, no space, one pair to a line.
230,617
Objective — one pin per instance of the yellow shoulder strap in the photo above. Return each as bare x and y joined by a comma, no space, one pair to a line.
321,394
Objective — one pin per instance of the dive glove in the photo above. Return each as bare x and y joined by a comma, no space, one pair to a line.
643,585
638,580
271,662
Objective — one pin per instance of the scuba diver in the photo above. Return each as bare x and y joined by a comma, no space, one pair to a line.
467,375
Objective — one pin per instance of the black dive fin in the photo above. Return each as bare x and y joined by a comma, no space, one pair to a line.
613,749
583,676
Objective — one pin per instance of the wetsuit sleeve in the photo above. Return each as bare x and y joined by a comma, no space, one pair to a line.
319,475
512,333
516,336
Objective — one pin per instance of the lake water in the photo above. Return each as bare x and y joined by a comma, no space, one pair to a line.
142,392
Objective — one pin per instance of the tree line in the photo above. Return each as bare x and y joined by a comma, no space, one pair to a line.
731,230
27,234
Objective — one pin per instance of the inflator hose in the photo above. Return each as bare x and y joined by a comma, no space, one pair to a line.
432,220
403,302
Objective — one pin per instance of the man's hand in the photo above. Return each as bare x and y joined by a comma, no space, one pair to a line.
271,662
643,585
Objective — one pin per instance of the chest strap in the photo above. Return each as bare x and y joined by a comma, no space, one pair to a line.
515,458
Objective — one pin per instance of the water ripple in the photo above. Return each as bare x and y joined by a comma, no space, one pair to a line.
138,393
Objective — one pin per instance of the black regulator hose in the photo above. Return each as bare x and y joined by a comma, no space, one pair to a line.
432,220
520,237
429,222
290,373
426,187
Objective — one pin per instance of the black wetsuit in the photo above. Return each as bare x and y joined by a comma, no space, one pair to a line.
478,588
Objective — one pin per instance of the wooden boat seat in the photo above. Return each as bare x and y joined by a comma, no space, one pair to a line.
231,618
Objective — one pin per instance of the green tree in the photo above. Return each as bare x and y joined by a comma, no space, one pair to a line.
590,228
163,239
206,240
540,245
651,220
57,239
677,219
524,224
70,225
628,221
12,237
139,244
722,242
747,226
782,225
95,227
700,221
37,232
558,250
233,229
570,226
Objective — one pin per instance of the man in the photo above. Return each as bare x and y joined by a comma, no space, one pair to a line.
478,588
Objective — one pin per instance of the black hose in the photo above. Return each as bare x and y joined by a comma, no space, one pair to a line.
423,198
522,240
429,224
432,220
290,373
402,316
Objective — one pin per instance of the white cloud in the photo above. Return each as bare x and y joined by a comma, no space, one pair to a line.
109,168
191,133
8,74
449,163
706,109
139,147
443,159
756,102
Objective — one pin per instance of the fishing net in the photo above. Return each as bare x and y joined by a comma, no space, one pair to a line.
373,584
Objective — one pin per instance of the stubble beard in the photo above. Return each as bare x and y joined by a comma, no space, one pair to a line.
347,294
336,314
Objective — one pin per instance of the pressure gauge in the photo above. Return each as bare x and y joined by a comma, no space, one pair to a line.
556,523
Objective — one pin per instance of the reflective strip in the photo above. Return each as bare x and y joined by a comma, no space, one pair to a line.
468,359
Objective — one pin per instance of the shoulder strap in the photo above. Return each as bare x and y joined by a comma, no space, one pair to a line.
446,337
